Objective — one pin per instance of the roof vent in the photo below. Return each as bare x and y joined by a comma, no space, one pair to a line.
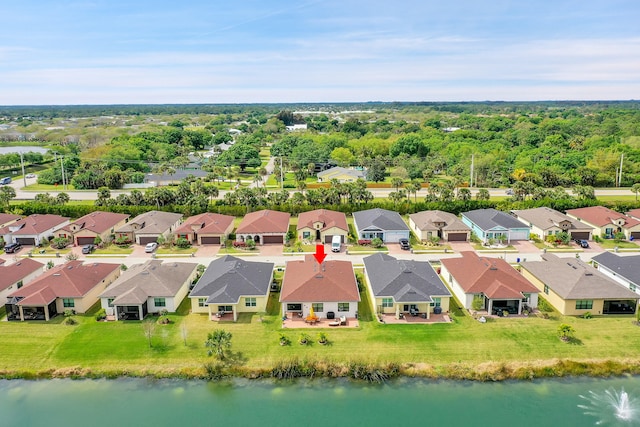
319,276
56,274
406,271
70,267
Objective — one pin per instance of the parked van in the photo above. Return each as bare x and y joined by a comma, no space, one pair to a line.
336,243
6,180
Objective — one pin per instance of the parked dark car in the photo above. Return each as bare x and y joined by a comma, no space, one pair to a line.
404,244
87,249
582,243
12,248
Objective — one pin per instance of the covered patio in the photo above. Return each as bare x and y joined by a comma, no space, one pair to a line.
294,321
392,319
23,309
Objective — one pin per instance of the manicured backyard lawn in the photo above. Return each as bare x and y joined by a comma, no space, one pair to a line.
112,346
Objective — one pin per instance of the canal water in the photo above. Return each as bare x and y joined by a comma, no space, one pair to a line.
326,403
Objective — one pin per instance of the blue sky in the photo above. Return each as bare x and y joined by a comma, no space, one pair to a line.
253,51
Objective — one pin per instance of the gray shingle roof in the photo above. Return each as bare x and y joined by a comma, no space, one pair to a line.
227,279
379,218
404,280
573,279
487,219
624,266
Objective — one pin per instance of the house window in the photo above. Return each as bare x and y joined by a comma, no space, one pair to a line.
225,308
110,302
318,307
387,302
19,284
526,298
584,304
546,289
632,287
68,303
159,302
294,307
437,302
250,302
343,306
306,234
202,302
550,232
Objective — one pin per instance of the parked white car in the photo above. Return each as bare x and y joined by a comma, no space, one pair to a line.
150,247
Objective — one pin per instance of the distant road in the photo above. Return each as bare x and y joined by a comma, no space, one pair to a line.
377,192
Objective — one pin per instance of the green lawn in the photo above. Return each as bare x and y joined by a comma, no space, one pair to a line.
122,346
114,250
623,244
175,250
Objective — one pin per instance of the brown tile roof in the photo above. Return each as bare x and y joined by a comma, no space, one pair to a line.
151,279
326,217
8,218
572,278
425,221
545,218
10,274
492,276
265,221
97,221
601,216
71,280
308,281
206,223
151,222
33,224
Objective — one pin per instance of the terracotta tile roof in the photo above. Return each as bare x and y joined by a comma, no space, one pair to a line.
308,281
601,216
635,213
206,223
492,276
265,221
71,280
98,222
326,217
571,278
33,224
10,274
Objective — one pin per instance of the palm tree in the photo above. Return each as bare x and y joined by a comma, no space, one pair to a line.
396,182
217,342
635,188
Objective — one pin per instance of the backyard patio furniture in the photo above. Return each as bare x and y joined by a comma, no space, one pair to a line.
343,320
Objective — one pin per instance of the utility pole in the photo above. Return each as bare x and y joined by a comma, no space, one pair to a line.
64,184
620,170
471,174
24,178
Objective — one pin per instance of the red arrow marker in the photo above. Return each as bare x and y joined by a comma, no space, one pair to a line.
320,255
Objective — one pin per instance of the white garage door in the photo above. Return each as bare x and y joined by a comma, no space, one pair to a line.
394,236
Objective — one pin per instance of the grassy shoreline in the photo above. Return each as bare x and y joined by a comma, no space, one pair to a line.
355,370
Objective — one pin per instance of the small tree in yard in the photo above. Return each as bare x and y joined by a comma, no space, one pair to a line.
565,332
376,243
478,303
182,243
148,328
217,342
